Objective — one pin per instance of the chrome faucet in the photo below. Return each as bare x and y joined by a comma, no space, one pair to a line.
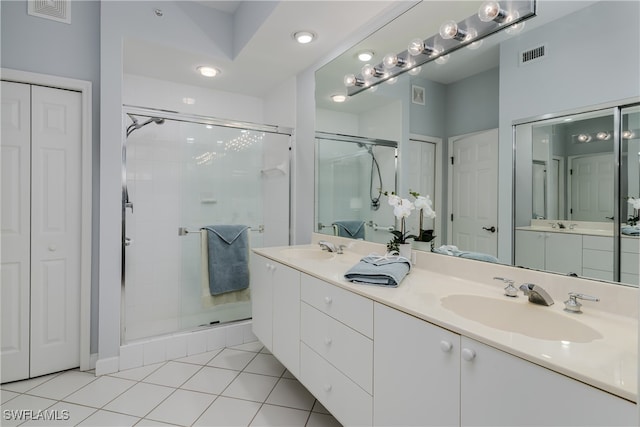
572,305
536,294
509,290
328,246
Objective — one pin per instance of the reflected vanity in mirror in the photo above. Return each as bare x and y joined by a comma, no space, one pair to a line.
487,87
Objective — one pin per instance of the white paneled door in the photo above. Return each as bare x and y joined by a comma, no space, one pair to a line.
41,230
475,192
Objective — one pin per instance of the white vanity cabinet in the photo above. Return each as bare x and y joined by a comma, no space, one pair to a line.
558,252
630,260
275,296
336,354
416,371
597,257
497,389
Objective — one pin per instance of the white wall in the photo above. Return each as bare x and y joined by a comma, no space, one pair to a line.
582,68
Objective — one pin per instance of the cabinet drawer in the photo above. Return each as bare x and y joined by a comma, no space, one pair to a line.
630,244
349,308
351,405
629,263
597,242
597,260
346,349
597,274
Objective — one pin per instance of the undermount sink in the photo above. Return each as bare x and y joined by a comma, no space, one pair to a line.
307,253
526,319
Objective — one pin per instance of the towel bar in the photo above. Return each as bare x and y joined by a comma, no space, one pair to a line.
183,231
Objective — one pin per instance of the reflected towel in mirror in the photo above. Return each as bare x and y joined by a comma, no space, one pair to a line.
454,251
352,229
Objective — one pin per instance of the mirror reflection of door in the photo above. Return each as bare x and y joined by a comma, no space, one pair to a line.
591,178
423,179
474,192
540,190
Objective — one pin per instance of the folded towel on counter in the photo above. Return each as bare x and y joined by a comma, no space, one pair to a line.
630,230
351,229
388,270
454,251
228,260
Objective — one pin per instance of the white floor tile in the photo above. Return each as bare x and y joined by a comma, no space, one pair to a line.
63,385
292,394
318,407
26,385
275,416
173,374
232,359
199,359
254,346
151,423
182,408
22,403
63,414
109,419
322,420
251,387
137,374
210,380
6,395
228,412
265,364
100,392
140,399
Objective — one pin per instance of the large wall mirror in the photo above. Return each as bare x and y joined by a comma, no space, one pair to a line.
463,108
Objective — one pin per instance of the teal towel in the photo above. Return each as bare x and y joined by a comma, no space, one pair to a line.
228,247
454,251
630,231
351,229
376,270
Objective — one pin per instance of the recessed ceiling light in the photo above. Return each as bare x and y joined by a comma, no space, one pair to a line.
208,71
365,56
304,37
338,98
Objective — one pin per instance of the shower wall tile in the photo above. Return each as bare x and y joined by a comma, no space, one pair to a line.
131,355
216,339
197,342
234,335
176,347
154,351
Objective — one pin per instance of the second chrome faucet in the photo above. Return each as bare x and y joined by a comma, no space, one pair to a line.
535,293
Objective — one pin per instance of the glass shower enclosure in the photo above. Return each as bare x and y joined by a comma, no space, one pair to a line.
182,173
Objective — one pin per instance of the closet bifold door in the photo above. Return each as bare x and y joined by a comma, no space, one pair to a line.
16,233
56,199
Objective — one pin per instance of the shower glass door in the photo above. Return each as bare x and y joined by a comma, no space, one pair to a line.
182,176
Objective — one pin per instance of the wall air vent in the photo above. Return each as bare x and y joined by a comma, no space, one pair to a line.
56,10
533,55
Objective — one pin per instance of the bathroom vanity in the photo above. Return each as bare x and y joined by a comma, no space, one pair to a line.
446,347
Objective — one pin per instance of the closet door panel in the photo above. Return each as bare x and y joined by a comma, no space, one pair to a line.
56,238
15,234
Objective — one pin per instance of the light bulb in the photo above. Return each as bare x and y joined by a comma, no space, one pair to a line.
515,28
351,80
338,98
583,137
304,37
369,71
392,60
415,71
416,47
491,11
603,136
392,80
450,30
628,134
373,89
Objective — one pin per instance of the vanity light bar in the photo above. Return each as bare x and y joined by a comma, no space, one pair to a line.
585,137
436,46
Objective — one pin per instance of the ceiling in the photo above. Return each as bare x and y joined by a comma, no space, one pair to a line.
270,56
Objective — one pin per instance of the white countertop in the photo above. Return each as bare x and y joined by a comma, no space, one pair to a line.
609,363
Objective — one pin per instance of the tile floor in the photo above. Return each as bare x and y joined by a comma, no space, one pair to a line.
237,386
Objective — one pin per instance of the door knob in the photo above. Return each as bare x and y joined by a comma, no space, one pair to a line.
491,229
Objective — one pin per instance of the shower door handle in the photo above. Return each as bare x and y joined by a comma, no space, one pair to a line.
128,205
128,241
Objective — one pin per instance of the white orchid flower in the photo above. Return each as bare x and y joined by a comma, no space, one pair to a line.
429,213
421,202
394,200
403,209
634,202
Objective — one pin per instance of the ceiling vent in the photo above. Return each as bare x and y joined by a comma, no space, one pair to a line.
533,55
56,10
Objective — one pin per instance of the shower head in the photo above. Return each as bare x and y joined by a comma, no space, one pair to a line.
136,125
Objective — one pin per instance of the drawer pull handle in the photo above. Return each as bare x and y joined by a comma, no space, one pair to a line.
328,341
445,346
468,354
327,300
327,388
